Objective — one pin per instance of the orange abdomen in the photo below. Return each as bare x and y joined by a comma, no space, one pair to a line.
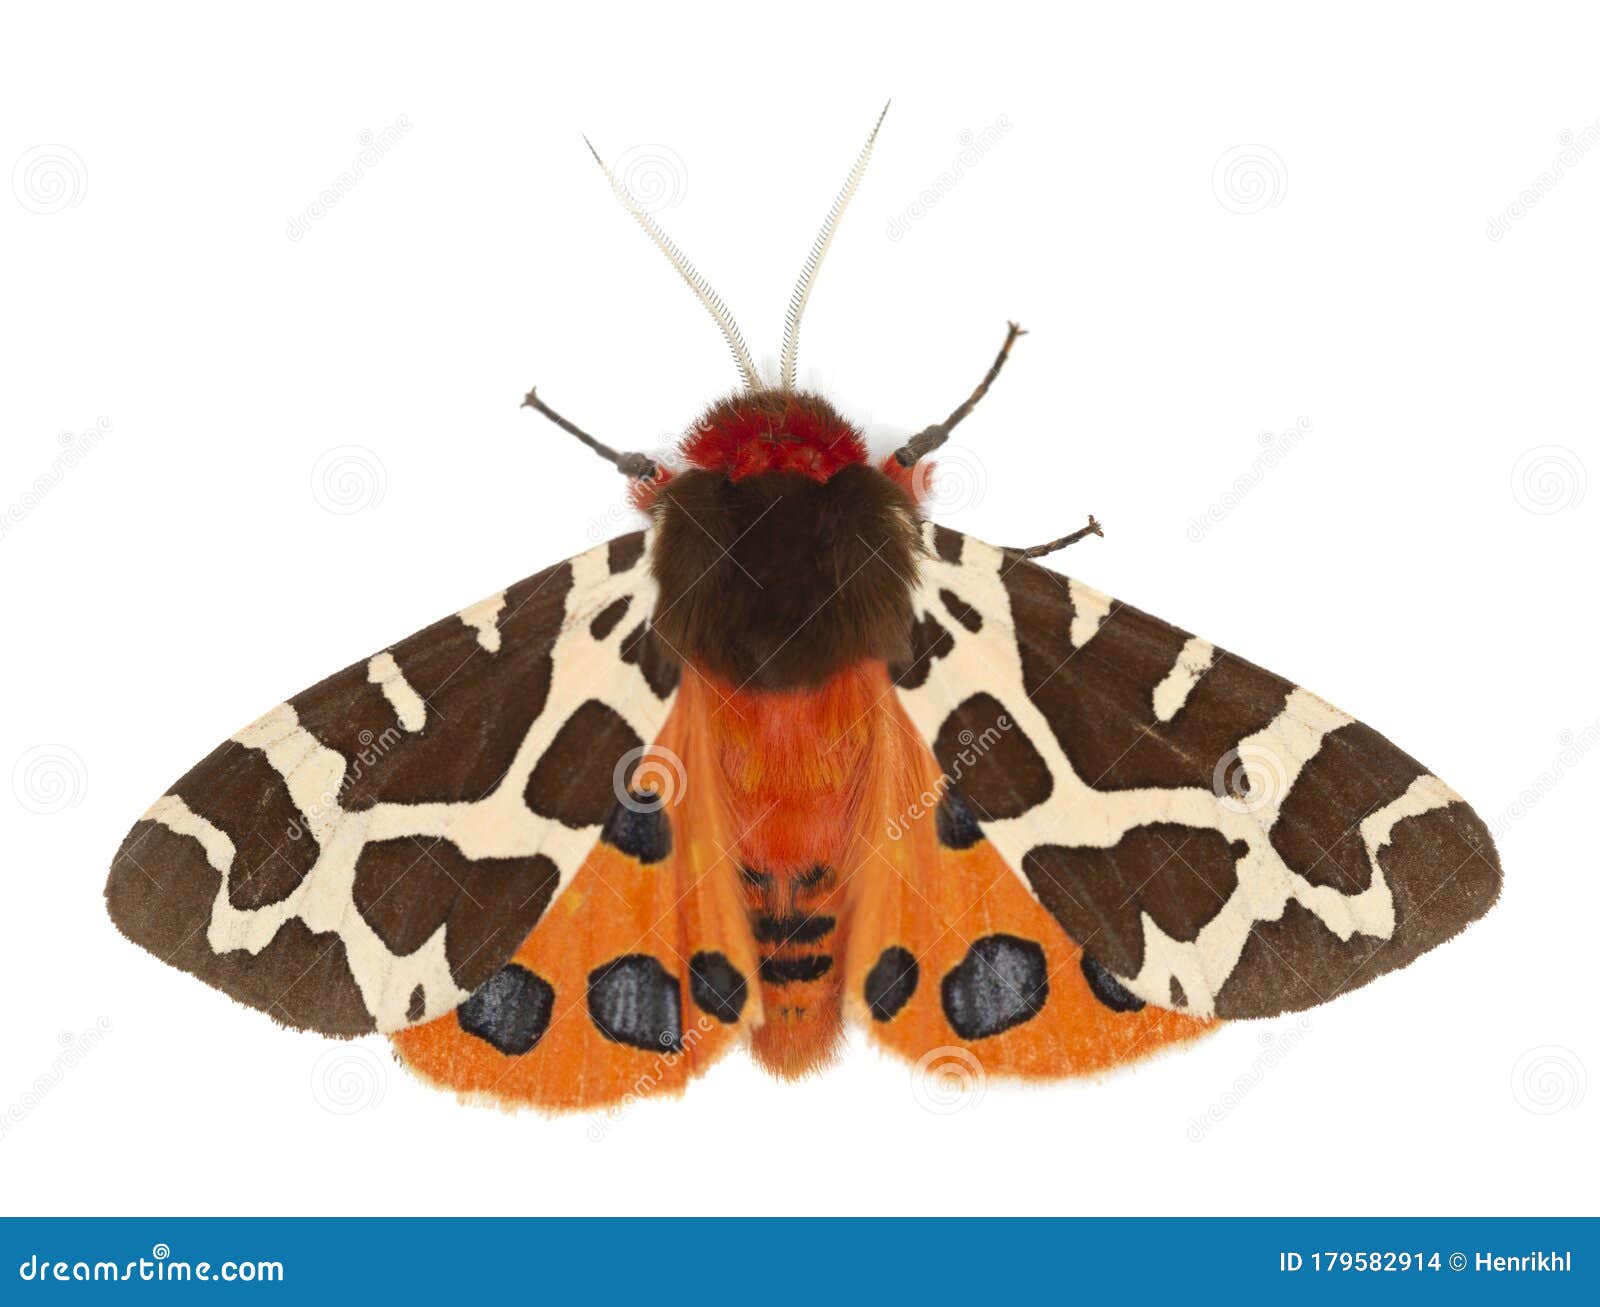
794,763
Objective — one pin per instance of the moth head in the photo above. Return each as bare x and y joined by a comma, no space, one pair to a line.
763,426
752,432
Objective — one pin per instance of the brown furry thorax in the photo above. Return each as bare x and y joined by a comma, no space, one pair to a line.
775,580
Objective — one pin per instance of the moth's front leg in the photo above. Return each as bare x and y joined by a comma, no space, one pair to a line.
930,438
1050,546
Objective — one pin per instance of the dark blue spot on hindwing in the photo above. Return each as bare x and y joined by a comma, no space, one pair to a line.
717,986
1108,989
1001,983
633,1001
510,1010
957,827
639,828
891,982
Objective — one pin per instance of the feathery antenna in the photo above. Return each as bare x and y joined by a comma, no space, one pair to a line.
698,284
819,248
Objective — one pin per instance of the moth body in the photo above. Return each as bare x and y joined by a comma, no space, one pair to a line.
793,756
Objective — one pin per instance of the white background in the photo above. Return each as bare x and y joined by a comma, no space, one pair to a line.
1214,226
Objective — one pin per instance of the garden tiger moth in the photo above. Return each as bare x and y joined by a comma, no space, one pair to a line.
789,755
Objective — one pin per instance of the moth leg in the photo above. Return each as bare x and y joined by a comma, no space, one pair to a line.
930,438
1050,546
640,466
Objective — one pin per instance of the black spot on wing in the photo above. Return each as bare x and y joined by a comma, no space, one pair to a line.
160,895
947,544
891,983
1107,988
624,551
1001,773
717,986
1098,697
956,826
642,646
1001,983
961,610
605,621
639,827
1177,875
633,1001
1318,831
480,705
929,642
1441,868
406,888
511,1010
237,790
572,781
